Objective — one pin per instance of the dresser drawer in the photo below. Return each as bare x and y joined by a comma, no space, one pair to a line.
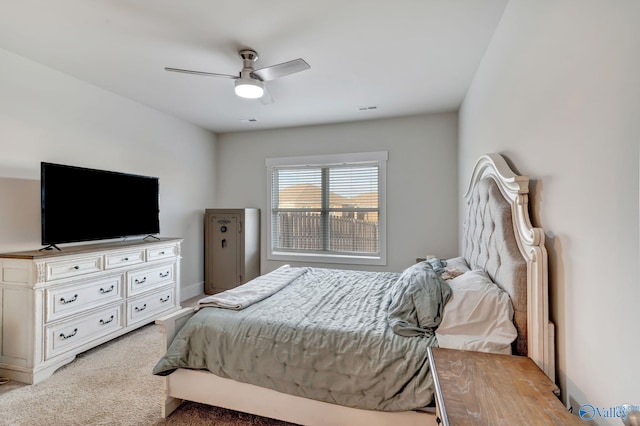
147,279
147,306
73,267
67,335
77,297
162,252
123,258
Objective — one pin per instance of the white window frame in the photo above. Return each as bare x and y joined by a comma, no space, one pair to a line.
381,158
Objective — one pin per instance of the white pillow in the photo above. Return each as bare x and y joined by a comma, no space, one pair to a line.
457,263
478,316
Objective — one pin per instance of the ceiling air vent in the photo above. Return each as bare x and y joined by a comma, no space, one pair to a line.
367,108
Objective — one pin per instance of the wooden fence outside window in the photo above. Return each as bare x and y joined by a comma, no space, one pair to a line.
303,231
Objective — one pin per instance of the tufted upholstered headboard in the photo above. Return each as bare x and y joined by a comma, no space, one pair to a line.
498,237
490,244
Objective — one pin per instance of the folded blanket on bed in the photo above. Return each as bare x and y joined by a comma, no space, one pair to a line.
417,301
253,291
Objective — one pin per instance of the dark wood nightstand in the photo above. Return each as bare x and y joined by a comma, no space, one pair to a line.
478,388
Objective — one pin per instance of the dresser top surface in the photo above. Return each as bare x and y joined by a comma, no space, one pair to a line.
86,248
476,388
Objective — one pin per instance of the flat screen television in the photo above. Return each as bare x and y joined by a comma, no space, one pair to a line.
81,204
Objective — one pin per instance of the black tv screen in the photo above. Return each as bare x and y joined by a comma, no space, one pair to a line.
81,204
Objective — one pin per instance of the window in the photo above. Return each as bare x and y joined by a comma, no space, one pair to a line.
328,208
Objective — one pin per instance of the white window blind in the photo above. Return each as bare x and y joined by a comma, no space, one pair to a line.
328,208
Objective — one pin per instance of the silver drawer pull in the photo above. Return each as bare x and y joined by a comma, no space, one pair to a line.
63,337
103,291
165,275
103,322
143,280
141,309
73,299
166,299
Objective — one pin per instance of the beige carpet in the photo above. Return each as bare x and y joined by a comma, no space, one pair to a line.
110,385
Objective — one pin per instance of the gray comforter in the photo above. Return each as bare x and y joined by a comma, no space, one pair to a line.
325,336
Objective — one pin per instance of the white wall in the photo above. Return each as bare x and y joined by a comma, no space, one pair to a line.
49,116
558,92
421,191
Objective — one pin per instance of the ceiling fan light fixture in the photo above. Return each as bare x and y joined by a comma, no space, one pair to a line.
249,83
249,88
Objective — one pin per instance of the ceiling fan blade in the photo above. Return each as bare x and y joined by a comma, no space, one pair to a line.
208,74
280,70
266,98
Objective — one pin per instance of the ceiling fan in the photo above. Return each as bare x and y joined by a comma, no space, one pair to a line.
250,82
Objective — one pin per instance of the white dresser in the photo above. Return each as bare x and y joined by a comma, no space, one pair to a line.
54,305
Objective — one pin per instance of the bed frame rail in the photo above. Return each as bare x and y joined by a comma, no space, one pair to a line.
207,388
169,326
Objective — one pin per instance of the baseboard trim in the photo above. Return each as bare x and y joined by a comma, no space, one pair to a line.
192,290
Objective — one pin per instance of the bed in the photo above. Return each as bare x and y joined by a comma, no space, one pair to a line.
498,243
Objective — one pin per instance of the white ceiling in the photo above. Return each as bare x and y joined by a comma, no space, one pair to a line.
404,56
